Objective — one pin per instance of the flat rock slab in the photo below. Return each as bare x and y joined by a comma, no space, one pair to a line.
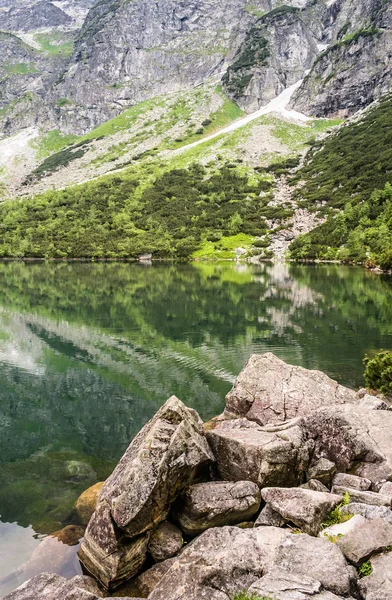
371,498
305,508
244,451
378,585
368,511
354,438
282,585
216,503
341,529
352,481
227,560
269,390
162,460
365,540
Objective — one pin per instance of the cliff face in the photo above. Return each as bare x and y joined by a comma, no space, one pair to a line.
42,14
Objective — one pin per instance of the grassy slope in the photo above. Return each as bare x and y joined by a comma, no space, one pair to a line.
343,174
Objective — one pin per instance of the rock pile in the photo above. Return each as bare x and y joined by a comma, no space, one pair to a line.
285,496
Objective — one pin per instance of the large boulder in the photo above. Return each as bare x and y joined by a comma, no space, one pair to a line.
50,586
227,560
305,508
354,438
274,455
216,503
365,540
163,459
269,390
378,585
369,511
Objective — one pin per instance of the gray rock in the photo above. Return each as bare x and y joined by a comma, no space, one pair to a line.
386,489
352,481
323,470
216,503
367,538
50,587
373,402
269,517
227,560
315,485
89,584
305,508
165,542
363,497
378,585
275,456
368,511
270,391
161,461
144,584
355,439
282,585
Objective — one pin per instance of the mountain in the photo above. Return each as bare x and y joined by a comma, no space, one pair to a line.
42,14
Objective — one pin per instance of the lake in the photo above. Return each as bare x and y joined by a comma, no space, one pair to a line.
88,352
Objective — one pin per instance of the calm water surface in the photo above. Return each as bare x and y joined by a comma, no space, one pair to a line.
89,352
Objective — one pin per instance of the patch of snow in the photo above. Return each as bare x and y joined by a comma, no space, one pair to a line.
322,47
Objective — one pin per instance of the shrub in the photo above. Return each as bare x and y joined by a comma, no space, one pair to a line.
335,516
365,569
378,372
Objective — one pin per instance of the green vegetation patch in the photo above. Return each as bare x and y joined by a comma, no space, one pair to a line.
20,68
52,142
378,372
55,43
335,516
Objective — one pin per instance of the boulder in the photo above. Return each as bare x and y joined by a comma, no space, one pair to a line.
142,585
368,511
305,508
51,587
86,504
355,439
378,585
352,481
89,584
363,497
163,459
269,517
386,489
269,390
216,503
334,532
365,540
315,485
227,560
322,470
268,456
165,542
282,585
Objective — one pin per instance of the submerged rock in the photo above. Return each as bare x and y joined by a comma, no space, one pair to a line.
162,460
216,503
269,390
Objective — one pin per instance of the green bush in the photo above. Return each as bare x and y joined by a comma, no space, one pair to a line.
378,372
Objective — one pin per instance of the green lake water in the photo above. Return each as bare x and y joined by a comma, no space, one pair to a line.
88,352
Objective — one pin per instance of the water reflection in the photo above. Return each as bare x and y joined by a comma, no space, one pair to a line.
89,352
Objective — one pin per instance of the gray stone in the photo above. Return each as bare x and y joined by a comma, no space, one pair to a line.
162,460
355,439
227,560
315,485
372,498
386,489
269,517
373,402
216,503
305,508
270,391
323,470
165,542
144,584
89,584
267,456
282,585
352,481
368,511
378,585
367,538
49,586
